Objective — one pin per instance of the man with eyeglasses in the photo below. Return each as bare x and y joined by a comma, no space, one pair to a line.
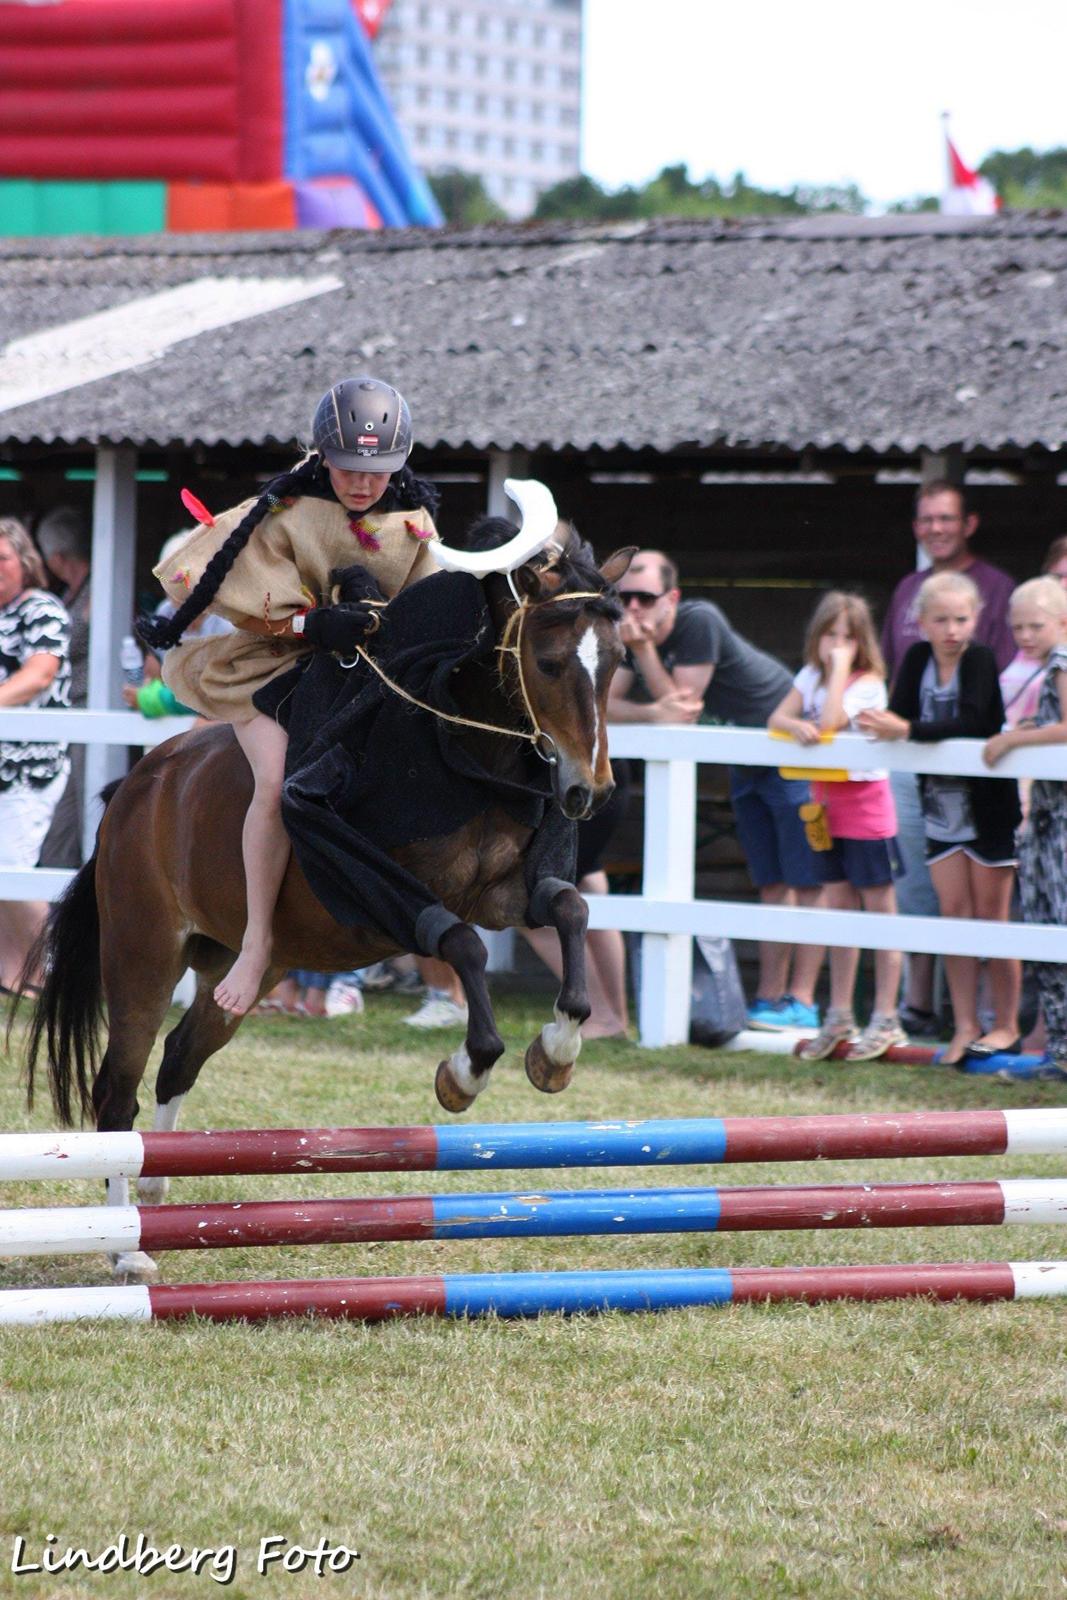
943,526
685,662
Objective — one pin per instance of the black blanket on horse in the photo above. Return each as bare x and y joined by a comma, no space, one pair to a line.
368,772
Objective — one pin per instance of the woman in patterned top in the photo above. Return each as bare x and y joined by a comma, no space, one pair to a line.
34,671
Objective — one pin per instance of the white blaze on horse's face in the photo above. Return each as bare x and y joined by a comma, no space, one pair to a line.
589,656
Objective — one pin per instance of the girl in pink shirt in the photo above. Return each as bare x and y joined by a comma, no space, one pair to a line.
843,675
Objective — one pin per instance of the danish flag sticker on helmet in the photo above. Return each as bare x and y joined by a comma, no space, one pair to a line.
363,425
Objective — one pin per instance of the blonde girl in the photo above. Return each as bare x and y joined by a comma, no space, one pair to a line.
948,688
1039,623
843,676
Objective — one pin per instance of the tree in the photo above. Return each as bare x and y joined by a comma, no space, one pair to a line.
1028,179
463,198
672,193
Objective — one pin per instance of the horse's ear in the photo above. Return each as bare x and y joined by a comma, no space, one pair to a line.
616,565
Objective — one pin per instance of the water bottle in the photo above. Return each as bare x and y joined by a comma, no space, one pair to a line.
131,661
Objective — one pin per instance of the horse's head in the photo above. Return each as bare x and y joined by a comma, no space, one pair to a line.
566,640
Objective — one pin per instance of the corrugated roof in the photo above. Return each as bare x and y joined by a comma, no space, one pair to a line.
855,333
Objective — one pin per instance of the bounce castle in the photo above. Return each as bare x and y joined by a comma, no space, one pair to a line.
133,116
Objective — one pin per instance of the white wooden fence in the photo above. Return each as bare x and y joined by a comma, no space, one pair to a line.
666,911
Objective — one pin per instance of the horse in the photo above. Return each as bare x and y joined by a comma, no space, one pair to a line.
164,888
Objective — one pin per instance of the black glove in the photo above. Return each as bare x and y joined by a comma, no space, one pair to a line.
340,628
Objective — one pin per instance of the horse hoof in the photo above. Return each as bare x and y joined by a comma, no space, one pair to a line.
134,1266
150,1191
448,1091
551,1077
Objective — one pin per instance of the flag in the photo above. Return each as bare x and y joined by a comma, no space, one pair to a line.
967,193
371,13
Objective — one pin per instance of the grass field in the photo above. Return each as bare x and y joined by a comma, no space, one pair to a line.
903,1449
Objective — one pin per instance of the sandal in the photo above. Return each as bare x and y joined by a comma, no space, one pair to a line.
839,1025
983,1052
878,1036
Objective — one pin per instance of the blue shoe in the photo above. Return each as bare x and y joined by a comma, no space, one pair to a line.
803,1016
773,1016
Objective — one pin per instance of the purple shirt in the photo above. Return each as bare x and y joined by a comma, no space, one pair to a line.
901,628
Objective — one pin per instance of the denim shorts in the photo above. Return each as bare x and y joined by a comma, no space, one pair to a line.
864,863
770,828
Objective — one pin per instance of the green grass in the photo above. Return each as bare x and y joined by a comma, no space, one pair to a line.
899,1450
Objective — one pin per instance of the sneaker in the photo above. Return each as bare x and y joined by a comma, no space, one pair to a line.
344,998
838,1025
773,1016
382,975
438,1011
802,1016
919,1024
877,1037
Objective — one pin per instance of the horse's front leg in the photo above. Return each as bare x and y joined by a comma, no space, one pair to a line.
465,1074
550,1058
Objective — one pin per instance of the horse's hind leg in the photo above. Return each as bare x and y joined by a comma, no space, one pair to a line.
550,1058
466,1072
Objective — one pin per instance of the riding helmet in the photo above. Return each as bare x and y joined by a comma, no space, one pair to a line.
363,425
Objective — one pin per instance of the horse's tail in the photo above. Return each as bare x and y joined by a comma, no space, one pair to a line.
70,1007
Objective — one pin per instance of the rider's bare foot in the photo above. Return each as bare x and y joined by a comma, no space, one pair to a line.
239,990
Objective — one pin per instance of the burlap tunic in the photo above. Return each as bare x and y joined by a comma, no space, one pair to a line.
284,568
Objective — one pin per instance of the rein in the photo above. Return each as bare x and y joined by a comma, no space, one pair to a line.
542,742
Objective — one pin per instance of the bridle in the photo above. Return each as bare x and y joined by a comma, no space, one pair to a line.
543,742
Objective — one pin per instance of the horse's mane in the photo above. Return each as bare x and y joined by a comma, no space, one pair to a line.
571,559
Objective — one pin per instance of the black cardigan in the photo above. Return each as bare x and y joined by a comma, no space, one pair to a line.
995,801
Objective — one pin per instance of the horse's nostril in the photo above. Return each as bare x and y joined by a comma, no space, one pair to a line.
577,801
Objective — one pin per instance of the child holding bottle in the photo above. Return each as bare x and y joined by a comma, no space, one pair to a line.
843,677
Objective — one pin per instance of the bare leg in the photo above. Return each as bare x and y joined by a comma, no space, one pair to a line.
606,973
439,975
991,893
605,968
844,961
807,958
952,880
265,851
888,964
20,923
774,958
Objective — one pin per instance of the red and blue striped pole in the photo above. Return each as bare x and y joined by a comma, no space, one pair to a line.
531,1294
470,1147
76,1230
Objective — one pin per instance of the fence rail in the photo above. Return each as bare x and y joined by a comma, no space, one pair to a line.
667,912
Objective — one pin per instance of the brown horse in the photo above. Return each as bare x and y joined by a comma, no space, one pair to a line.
165,890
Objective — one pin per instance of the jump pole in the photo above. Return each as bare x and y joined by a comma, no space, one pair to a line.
531,1294
472,1147
79,1230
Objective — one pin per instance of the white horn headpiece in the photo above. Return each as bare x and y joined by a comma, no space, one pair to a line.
539,518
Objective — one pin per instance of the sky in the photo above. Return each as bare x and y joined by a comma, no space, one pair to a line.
818,91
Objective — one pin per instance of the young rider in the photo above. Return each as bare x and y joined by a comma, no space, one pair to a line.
265,565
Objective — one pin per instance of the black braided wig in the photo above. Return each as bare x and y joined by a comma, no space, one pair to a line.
404,492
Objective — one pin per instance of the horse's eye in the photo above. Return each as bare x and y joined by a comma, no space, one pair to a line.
550,668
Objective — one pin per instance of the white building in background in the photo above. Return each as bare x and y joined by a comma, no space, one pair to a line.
491,87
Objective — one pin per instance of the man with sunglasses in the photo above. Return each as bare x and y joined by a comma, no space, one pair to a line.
686,663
